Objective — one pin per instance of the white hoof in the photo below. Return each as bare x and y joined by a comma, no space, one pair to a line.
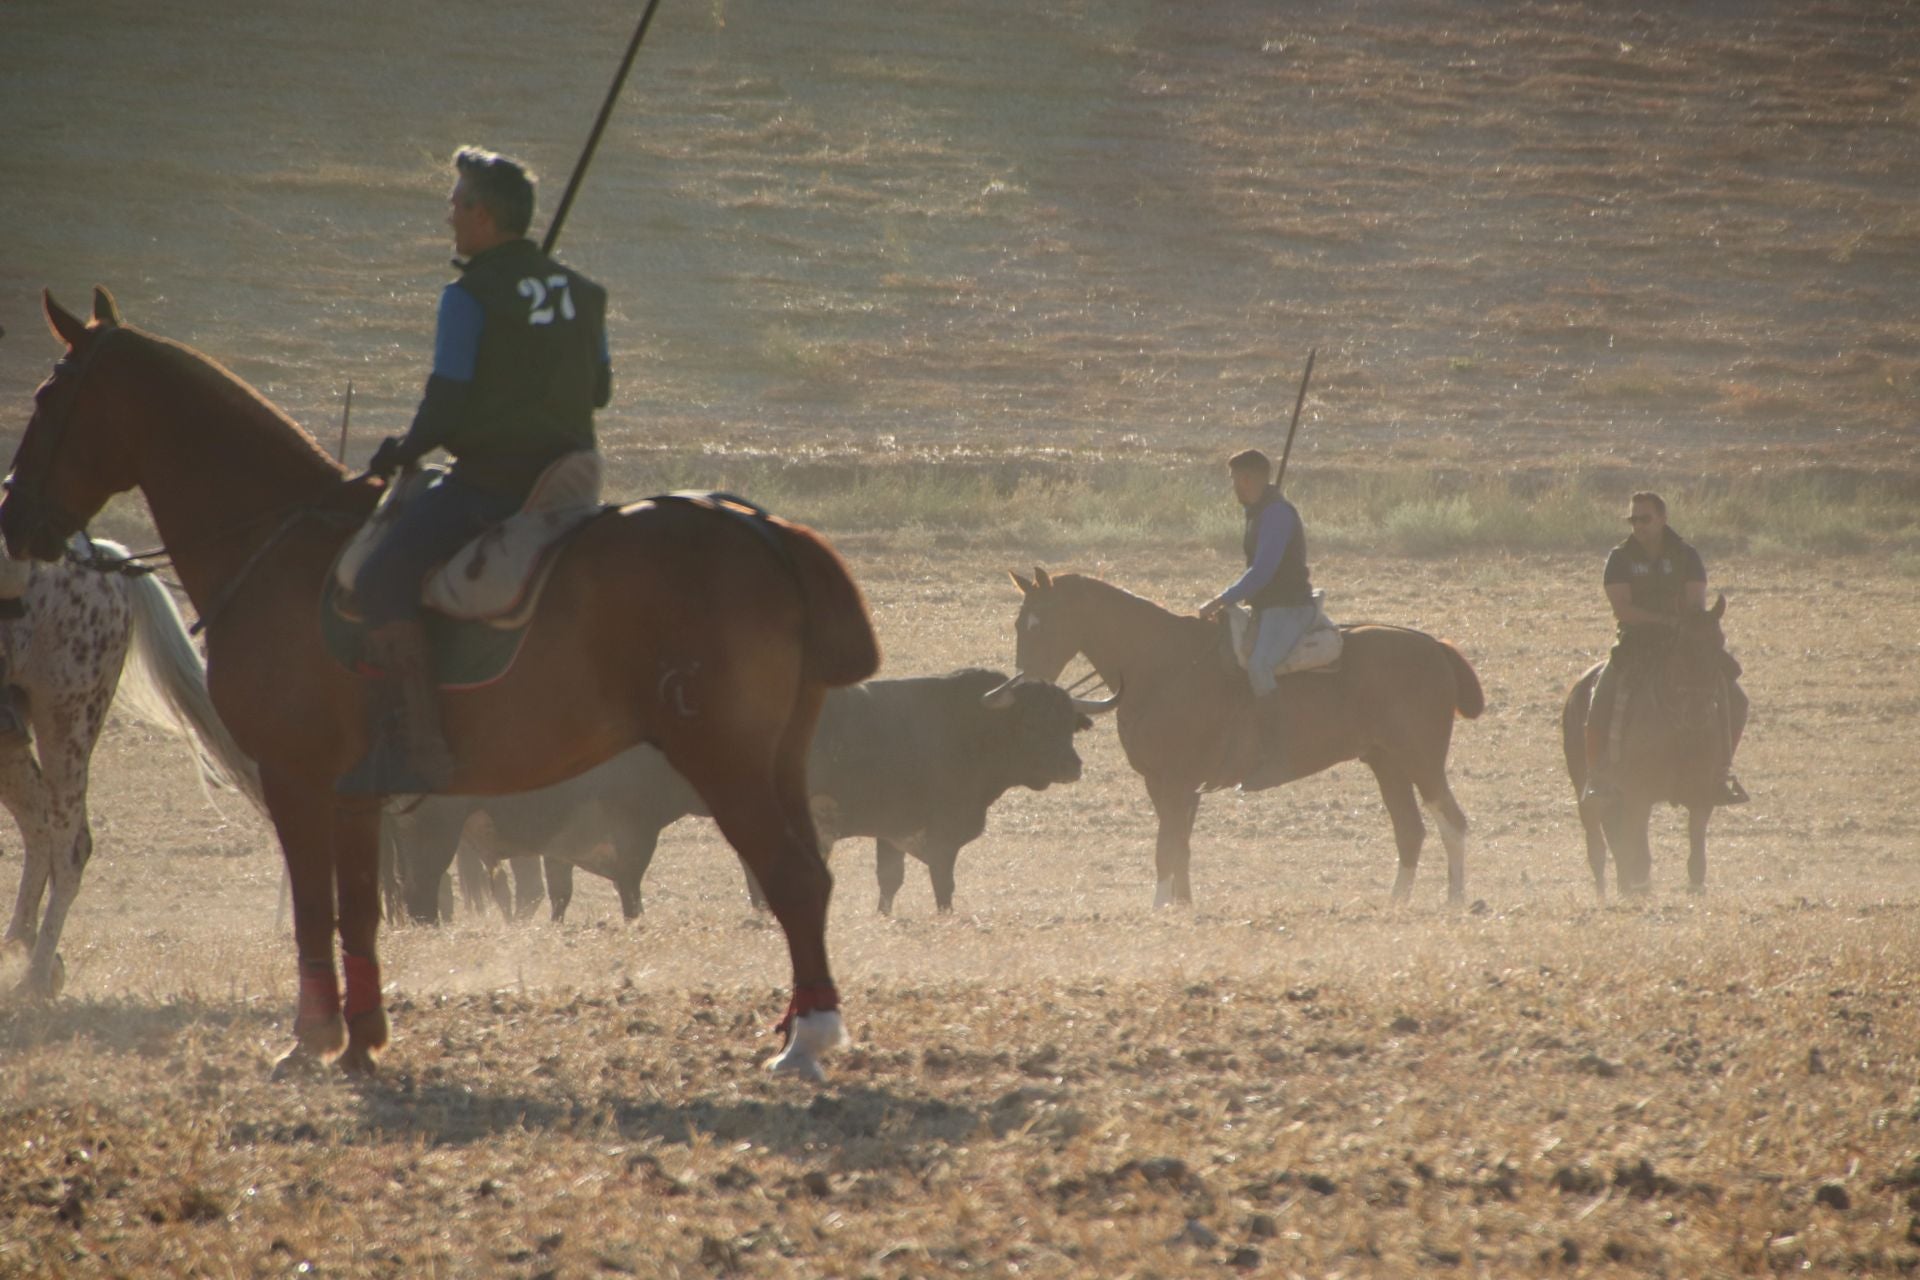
1163,893
813,1034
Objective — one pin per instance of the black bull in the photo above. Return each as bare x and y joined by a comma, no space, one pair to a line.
914,763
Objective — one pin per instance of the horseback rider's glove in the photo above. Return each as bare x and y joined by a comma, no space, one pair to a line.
392,455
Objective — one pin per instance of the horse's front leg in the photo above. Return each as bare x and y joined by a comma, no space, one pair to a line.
1632,856
1175,804
356,875
302,814
1697,847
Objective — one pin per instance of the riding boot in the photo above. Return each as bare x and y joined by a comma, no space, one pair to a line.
1600,791
408,754
1269,767
13,729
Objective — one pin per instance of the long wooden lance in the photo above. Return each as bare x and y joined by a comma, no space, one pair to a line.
599,127
1294,426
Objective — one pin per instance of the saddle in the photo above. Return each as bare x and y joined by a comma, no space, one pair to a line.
1318,646
496,578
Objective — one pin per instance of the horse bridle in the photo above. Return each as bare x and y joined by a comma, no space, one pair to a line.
37,513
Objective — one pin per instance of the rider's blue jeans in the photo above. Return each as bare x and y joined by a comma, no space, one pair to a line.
437,522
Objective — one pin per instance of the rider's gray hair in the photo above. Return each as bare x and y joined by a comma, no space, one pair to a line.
503,185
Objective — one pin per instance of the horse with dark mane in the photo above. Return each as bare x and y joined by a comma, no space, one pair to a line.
1675,747
1185,717
712,634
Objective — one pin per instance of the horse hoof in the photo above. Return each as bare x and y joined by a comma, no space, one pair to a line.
357,1061
298,1063
813,1034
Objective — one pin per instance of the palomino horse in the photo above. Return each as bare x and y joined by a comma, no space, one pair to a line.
709,632
67,657
1674,748
1185,726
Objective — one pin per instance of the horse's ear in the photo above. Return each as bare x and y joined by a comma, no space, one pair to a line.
1040,578
1719,607
1026,587
66,326
106,312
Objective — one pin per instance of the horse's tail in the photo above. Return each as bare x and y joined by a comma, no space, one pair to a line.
164,684
1469,699
840,646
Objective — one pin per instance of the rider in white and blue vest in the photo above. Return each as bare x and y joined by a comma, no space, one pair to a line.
1276,588
519,365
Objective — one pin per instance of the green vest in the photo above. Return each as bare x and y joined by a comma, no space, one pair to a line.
538,365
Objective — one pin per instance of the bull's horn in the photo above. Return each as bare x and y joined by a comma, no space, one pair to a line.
1000,697
1095,706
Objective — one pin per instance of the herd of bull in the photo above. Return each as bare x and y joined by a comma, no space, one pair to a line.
912,763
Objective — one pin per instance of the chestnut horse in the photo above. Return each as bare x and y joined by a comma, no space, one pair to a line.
709,633
1674,748
1184,715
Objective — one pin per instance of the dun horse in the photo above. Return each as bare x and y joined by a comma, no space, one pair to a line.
88,631
1674,749
1185,726
709,633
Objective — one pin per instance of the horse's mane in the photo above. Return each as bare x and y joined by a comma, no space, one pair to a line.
1134,610
224,390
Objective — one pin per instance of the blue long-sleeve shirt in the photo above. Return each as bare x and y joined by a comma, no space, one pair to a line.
1278,525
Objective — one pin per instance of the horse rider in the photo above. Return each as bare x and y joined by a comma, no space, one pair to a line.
1649,578
1276,588
519,365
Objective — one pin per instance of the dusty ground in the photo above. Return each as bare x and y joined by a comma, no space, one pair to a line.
1556,238
1057,1079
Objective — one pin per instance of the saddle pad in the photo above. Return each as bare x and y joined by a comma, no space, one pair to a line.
497,577
499,574
466,655
1318,646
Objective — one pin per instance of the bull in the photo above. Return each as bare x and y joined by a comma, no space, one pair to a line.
914,764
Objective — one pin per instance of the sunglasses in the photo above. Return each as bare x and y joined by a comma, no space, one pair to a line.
1639,519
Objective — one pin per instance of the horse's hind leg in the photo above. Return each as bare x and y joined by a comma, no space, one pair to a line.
20,790
1697,848
1176,803
762,809
1596,854
58,841
1409,832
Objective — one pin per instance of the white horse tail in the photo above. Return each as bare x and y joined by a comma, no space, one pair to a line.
164,685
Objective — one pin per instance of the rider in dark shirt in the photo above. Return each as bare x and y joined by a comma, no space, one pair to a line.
519,365
1649,579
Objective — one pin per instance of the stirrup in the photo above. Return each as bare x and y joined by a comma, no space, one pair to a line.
1731,792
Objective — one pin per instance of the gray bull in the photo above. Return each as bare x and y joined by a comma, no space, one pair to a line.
915,764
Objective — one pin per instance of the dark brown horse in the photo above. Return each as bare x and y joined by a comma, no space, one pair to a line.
1186,726
1674,749
710,635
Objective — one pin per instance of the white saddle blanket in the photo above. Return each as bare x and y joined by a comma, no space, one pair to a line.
495,577
1318,646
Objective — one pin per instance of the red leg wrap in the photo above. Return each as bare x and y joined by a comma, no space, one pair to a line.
808,997
319,994
363,984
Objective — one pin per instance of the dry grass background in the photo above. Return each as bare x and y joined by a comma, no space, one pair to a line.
1550,240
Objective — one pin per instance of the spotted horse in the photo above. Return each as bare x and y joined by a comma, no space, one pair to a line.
91,626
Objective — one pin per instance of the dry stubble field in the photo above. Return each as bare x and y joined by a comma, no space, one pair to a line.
1537,241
